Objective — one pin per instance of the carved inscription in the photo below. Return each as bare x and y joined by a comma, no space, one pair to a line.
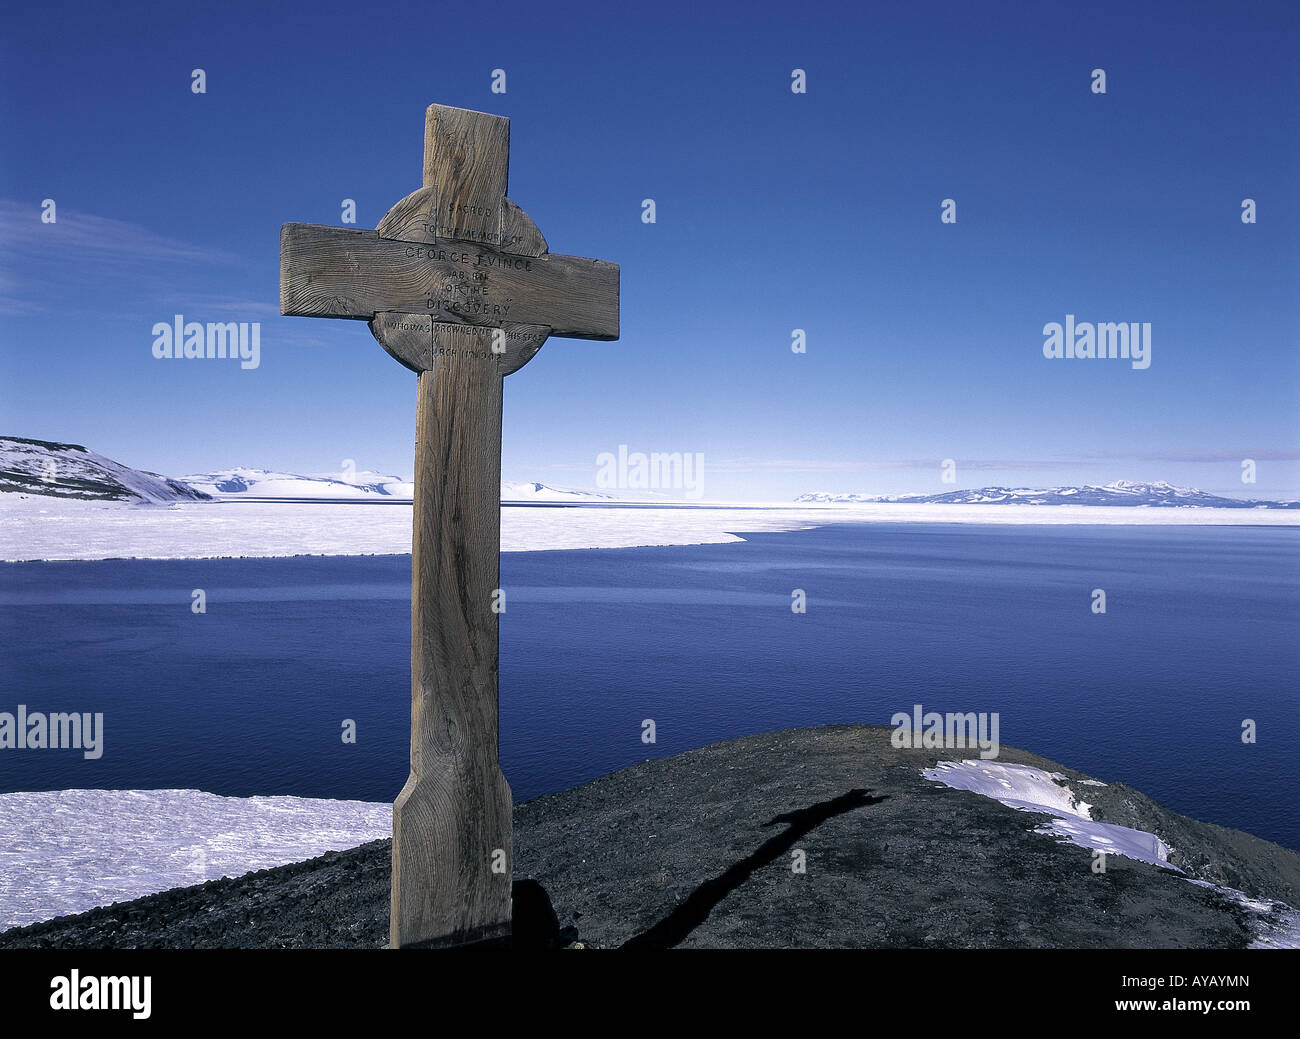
467,232
465,287
454,211
399,325
473,260
484,343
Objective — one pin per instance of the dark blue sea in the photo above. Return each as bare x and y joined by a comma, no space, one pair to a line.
1200,633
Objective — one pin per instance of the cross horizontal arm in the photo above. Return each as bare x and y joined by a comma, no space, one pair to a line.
350,273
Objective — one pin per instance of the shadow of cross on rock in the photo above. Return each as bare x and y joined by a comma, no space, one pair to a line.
677,925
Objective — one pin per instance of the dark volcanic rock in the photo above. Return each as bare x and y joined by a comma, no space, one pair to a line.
697,850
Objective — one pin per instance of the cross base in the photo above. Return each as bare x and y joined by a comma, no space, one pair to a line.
487,938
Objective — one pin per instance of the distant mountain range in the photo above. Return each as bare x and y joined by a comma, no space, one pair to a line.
244,482
71,471
523,492
1121,492
263,483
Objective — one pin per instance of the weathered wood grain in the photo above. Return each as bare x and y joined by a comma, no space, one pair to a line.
353,273
410,339
453,814
467,164
463,197
417,219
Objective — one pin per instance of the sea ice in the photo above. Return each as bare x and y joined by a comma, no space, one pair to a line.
66,851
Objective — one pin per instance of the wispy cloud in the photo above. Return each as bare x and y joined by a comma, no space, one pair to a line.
824,465
790,465
96,238
1216,457
251,309
845,466
44,267
298,337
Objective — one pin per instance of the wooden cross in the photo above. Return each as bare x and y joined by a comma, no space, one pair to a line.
457,285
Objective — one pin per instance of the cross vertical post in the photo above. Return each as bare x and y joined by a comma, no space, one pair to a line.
458,285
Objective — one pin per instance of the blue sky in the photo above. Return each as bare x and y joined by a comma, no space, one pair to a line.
775,211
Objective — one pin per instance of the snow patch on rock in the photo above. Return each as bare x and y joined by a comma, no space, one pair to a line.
1273,925
1033,790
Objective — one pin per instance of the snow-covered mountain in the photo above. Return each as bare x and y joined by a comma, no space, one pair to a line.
1121,492
70,471
263,483
517,492
244,482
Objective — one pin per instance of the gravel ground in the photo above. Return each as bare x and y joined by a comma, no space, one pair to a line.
696,851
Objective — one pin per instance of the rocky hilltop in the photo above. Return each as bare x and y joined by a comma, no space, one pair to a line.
701,850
